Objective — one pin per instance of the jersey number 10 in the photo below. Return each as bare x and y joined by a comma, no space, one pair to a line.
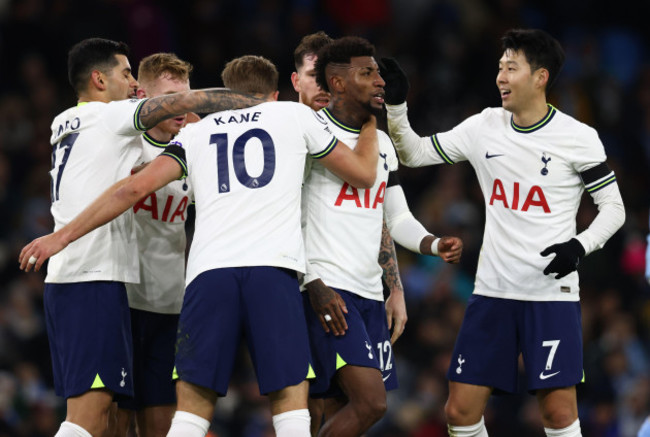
239,162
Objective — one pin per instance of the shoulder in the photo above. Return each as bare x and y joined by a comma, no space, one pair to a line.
488,116
494,115
72,119
573,128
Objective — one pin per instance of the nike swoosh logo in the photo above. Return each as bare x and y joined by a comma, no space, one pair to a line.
488,156
386,377
542,376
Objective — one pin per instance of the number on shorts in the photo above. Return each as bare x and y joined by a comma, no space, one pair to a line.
238,161
553,344
383,348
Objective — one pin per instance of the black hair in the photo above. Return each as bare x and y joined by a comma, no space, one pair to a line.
540,49
92,54
340,51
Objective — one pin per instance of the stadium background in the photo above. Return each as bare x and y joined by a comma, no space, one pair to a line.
450,50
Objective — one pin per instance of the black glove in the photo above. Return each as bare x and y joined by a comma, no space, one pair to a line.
397,84
567,257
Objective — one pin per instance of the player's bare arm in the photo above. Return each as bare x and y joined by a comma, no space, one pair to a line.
357,167
114,201
329,306
395,304
209,100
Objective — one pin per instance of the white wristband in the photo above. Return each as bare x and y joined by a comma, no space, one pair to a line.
434,246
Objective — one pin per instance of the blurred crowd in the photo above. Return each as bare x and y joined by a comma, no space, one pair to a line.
449,49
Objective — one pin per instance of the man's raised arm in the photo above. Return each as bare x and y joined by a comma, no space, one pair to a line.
208,100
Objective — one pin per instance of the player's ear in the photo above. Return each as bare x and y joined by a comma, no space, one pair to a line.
140,93
541,77
98,80
294,81
336,83
275,95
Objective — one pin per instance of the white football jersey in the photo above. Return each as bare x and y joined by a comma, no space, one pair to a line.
160,228
342,225
246,170
94,145
532,186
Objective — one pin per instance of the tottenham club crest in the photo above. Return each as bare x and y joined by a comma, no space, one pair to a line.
459,369
545,160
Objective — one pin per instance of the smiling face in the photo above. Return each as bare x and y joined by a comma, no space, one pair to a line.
364,85
304,82
519,87
162,85
119,82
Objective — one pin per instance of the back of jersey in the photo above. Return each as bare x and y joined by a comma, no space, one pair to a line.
93,146
246,168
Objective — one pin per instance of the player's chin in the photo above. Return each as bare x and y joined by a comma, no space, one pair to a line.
376,109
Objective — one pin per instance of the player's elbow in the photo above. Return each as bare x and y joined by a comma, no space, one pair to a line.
130,193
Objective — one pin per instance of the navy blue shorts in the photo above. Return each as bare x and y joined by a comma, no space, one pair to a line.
494,333
89,331
366,343
154,337
263,304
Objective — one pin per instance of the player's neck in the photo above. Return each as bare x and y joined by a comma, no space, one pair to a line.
531,114
93,96
159,135
348,113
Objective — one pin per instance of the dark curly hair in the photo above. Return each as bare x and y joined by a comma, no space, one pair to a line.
340,51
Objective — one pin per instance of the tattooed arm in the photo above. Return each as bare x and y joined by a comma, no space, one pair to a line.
395,304
208,100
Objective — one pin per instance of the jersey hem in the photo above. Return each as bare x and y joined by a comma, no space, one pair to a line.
560,297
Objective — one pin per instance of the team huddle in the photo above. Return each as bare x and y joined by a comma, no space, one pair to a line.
297,206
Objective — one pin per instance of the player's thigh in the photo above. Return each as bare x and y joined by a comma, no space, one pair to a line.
209,329
293,397
196,399
558,406
90,410
362,385
276,331
552,344
466,403
486,352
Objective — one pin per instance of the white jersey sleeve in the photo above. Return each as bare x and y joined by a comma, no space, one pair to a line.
94,145
403,227
600,182
416,151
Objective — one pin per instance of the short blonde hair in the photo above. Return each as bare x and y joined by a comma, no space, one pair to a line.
251,74
153,66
